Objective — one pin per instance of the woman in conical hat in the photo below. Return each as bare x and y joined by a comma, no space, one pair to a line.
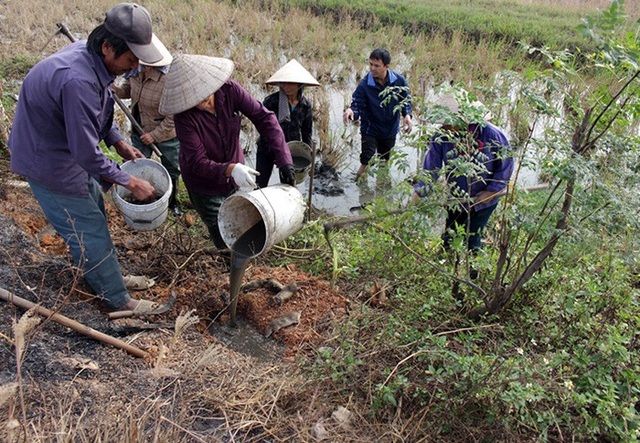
293,110
207,109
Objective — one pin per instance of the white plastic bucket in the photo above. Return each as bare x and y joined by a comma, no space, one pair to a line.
276,211
144,217
302,157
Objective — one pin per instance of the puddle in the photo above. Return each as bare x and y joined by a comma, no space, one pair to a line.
339,194
245,339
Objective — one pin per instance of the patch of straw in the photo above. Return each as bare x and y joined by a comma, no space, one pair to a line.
22,328
184,321
7,393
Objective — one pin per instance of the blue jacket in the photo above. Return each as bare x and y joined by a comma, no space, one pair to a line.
376,120
491,150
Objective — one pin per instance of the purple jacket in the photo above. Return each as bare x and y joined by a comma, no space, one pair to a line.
492,150
65,109
209,143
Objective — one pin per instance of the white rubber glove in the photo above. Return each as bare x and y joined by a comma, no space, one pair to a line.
244,176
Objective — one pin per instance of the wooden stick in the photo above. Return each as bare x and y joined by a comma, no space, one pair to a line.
311,174
345,221
76,326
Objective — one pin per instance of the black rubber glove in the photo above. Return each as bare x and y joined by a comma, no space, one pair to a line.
287,175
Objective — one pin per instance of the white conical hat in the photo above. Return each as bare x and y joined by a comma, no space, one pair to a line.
451,103
293,72
191,79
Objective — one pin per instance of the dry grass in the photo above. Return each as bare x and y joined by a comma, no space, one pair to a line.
260,38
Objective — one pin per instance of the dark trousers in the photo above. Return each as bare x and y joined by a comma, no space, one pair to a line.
473,223
264,165
372,145
208,207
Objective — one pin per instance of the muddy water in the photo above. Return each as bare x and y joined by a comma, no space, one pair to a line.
244,338
246,246
300,163
337,194
238,334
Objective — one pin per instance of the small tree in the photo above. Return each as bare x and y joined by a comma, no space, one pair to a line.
584,100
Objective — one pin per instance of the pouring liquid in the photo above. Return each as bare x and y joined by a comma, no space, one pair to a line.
248,245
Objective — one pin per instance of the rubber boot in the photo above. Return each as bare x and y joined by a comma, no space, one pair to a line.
174,207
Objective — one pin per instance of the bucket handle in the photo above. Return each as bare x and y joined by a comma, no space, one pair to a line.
273,210
148,222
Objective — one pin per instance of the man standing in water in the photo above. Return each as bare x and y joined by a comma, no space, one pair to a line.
65,110
375,106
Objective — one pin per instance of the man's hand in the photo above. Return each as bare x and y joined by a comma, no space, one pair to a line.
147,138
407,123
127,152
347,116
141,189
287,175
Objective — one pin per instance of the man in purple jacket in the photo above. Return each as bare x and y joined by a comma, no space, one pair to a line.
65,109
479,149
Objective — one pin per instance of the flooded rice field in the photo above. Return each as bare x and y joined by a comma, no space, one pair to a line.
335,190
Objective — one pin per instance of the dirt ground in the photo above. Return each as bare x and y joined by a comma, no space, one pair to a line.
95,389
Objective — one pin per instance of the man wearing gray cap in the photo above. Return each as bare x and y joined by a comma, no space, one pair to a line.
65,110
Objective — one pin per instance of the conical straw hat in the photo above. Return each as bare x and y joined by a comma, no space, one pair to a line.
191,79
451,103
293,72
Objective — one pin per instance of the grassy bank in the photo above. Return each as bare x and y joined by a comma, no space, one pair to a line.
541,23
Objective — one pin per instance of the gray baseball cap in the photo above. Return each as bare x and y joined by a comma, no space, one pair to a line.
132,23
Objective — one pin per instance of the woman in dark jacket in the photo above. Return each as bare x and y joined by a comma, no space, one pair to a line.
293,111
207,108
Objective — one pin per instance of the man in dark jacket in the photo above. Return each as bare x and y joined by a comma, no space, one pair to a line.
379,118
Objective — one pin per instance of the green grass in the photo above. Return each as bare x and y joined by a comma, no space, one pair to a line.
535,22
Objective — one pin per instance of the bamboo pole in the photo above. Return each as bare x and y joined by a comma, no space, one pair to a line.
76,326
346,221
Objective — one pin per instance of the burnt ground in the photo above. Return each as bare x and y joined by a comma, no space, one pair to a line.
191,387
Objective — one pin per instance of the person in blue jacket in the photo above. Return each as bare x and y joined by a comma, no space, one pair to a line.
457,144
378,114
